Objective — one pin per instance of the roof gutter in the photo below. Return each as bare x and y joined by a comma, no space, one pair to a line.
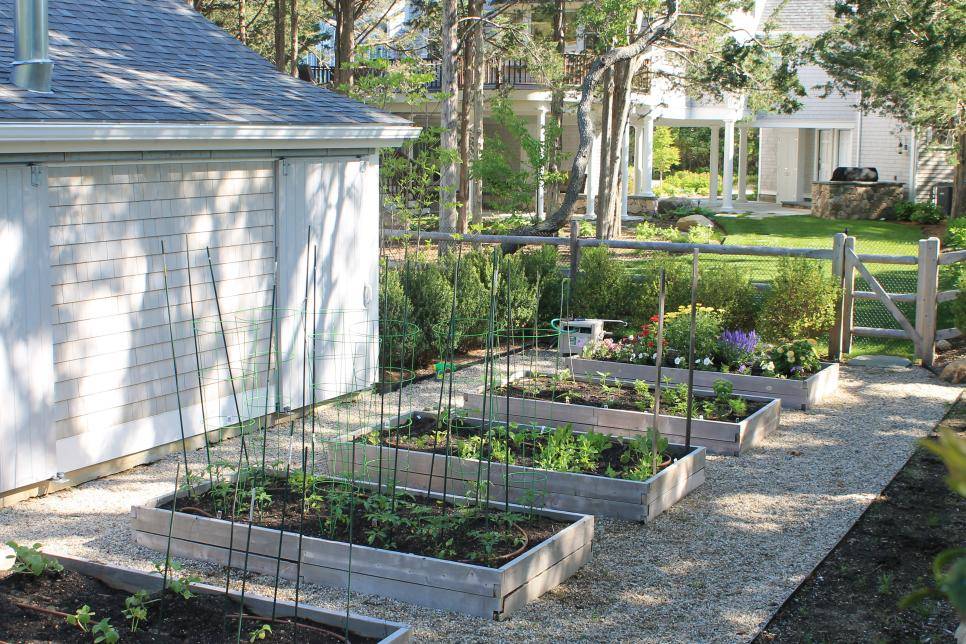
32,67
40,137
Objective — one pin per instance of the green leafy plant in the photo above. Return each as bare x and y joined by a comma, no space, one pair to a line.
707,328
31,561
136,609
919,212
796,359
801,302
645,399
260,633
81,618
178,584
104,632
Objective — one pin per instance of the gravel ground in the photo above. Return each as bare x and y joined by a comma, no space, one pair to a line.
714,568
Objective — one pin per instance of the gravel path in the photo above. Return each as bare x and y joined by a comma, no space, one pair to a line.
714,568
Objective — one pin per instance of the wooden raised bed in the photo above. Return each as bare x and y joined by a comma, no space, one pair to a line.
131,581
491,593
794,393
567,491
719,437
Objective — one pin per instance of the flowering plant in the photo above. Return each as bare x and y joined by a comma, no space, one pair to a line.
707,328
796,359
737,349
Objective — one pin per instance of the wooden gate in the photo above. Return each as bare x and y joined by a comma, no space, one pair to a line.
921,331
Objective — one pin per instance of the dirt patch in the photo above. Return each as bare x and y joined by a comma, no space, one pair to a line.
28,607
956,352
853,595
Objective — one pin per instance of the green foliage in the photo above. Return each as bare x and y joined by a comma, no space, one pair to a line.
919,213
684,183
949,566
955,234
29,560
104,632
603,288
81,618
907,63
542,267
260,633
431,296
178,584
801,302
728,288
707,328
795,359
136,609
666,153
958,306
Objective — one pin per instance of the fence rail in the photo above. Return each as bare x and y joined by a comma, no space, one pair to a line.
847,265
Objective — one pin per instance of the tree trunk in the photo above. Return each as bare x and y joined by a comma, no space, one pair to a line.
959,179
449,143
280,35
242,26
620,116
604,168
471,64
345,41
551,197
294,67
476,137
657,29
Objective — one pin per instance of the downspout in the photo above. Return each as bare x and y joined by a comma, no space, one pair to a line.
32,67
913,164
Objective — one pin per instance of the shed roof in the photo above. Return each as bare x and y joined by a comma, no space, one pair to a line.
800,16
159,61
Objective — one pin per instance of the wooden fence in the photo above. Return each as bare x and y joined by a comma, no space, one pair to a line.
846,266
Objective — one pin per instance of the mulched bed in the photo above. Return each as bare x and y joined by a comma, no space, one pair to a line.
284,512
853,595
577,392
204,618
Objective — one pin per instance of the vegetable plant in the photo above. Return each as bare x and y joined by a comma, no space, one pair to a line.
31,561
136,609
260,633
179,585
104,632
81,618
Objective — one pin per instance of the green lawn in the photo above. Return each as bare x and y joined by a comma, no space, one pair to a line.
804,231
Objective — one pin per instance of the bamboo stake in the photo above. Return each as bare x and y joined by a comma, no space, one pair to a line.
694,318
194,334
167,547
659,361
248,547
315,314
174,365
298,558
447,360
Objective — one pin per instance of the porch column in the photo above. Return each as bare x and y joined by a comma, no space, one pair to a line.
742,165
729,165
713,167
540,185
625,171
645,157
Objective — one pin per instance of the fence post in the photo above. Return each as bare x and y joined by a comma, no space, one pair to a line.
574,251
848,288
927,288
838,264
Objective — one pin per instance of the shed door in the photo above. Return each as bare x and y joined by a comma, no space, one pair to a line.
786,146
27,439
339,199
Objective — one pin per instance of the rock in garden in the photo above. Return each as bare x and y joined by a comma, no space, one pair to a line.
670,204
7,557
954,372
686,223
943,345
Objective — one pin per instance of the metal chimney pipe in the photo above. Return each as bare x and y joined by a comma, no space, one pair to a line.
32,66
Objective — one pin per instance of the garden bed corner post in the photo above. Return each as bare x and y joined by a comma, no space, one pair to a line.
838,271
927,290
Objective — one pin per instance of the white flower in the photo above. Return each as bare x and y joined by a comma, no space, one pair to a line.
630,338
770,366
707,362
677,360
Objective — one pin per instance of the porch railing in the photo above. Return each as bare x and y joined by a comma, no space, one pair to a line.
505,72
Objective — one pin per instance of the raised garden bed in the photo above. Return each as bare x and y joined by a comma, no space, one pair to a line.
556,545
795,393
545,404
591,493
207,617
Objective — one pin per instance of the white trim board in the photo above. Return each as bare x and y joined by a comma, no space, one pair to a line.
32,137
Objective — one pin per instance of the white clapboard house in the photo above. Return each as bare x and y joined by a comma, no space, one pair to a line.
139,123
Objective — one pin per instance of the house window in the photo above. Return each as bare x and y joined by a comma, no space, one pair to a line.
541,23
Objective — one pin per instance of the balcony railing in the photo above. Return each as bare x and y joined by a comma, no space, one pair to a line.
507,72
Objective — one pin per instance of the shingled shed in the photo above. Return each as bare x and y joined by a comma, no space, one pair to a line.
148,124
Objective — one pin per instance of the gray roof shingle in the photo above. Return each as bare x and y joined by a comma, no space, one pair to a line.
160,61
801,16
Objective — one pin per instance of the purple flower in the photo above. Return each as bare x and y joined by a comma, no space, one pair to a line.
741,341
742,368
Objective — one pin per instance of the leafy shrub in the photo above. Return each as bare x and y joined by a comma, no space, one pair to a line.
519,291
541,266
920,213
602,286
707,328
801,302
684,183
728,288
431,296
646,231
959,304
955,233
